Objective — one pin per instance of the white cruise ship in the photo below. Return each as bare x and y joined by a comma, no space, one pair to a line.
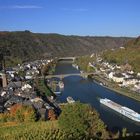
131,114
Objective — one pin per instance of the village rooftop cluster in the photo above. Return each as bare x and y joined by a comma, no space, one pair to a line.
122,75
18,87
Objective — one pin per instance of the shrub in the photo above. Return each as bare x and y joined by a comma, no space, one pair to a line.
4,117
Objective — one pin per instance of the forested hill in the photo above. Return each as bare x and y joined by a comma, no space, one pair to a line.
130,54
25,45
133,43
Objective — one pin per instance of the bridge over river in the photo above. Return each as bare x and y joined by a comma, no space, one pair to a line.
67,58
70,74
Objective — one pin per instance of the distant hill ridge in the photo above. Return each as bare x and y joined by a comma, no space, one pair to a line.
26,45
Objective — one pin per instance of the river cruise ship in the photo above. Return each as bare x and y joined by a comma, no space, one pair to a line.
131,114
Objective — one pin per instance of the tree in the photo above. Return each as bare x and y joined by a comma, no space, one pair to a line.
51,115
80,121
45,70
22,113
21,73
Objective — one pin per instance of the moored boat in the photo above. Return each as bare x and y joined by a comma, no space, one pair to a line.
61,85
75,66
70,99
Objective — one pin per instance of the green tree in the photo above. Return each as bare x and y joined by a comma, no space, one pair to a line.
80,121
21,73
45,70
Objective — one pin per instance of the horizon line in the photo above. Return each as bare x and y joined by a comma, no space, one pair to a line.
86,35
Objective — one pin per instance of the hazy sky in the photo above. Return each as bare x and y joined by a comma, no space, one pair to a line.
77,17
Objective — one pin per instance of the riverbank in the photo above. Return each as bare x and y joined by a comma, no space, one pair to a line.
42,87
111,86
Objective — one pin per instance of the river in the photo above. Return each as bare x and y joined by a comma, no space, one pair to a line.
89,92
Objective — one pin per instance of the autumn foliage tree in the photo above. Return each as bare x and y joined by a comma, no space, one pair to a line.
51,115
19,113
23,113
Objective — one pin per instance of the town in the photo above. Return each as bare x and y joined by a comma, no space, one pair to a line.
122,75
19,86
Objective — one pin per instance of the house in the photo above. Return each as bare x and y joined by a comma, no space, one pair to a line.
105,64
13,100
3,93
28,66
26,87
118,67
137,88
111,67
102,70
28,77
15,85
110,75
138,74
116,77
131,72
130,81
127,75
36,99
10,71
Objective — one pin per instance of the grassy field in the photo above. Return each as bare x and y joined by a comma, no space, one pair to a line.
31,131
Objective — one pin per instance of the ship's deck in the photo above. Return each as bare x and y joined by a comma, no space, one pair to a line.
114,104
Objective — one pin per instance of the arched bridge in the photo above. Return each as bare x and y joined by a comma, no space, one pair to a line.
70,74
67,58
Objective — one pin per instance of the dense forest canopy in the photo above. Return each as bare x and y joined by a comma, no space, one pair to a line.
25,45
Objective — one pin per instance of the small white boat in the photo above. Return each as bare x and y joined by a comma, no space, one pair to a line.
70,99
61,85
101,84
75,66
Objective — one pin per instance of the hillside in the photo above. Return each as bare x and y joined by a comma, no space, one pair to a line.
134,43
130,55
24,45
76,121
